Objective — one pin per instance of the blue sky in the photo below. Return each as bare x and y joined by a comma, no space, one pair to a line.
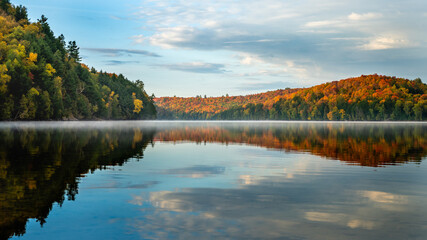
189,48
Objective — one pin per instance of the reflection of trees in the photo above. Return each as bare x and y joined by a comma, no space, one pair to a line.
366,145
40,167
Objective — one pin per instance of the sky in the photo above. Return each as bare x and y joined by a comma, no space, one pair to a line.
188,47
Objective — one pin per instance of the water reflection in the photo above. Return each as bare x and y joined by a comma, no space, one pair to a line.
273,208
357,143
43,163
40,167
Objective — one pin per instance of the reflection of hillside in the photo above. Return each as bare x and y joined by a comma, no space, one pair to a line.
370,145
37,168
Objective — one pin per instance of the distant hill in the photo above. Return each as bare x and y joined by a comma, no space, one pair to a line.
368,97
42,78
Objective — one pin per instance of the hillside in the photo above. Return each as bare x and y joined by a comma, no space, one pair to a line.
42,78
368,97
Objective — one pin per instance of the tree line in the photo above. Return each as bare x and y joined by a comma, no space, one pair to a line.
42,78
368,97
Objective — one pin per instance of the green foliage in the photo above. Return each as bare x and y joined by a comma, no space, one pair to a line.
21,13
73,50
41,77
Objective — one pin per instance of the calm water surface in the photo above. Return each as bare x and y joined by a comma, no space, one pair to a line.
210,180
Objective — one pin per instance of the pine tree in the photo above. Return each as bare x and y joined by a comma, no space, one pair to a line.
73,51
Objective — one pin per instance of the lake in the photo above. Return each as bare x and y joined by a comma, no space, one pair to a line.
213,180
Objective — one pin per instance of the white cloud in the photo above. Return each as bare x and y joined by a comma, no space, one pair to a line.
249,59
196,67
139,39
386,42
364,16
325,23
168,37
323,39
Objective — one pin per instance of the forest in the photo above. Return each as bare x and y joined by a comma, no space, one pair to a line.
42,77
368,97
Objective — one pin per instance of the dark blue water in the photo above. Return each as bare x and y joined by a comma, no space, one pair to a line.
210,180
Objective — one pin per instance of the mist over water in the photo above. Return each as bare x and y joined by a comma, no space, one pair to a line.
201,180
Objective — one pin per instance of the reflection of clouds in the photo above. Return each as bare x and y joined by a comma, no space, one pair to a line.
197,171
325,217
361,224
384,197
272,207
288,174
340,219
162,200
166,225
247,179
137,200
117,185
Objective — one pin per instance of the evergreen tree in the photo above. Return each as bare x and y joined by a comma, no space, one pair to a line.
21,13
73,51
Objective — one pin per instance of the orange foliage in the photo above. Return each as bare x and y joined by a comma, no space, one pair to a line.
219,104
372,88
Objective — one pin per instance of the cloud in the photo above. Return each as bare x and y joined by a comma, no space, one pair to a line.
382,43
118,62
114,52
196,67
248,59
258,41
365,16
264,86
328,39
325,23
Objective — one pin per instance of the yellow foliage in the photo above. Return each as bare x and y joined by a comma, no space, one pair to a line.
31,28
33,92
21,49
32,57
138,105
49,69
4,78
